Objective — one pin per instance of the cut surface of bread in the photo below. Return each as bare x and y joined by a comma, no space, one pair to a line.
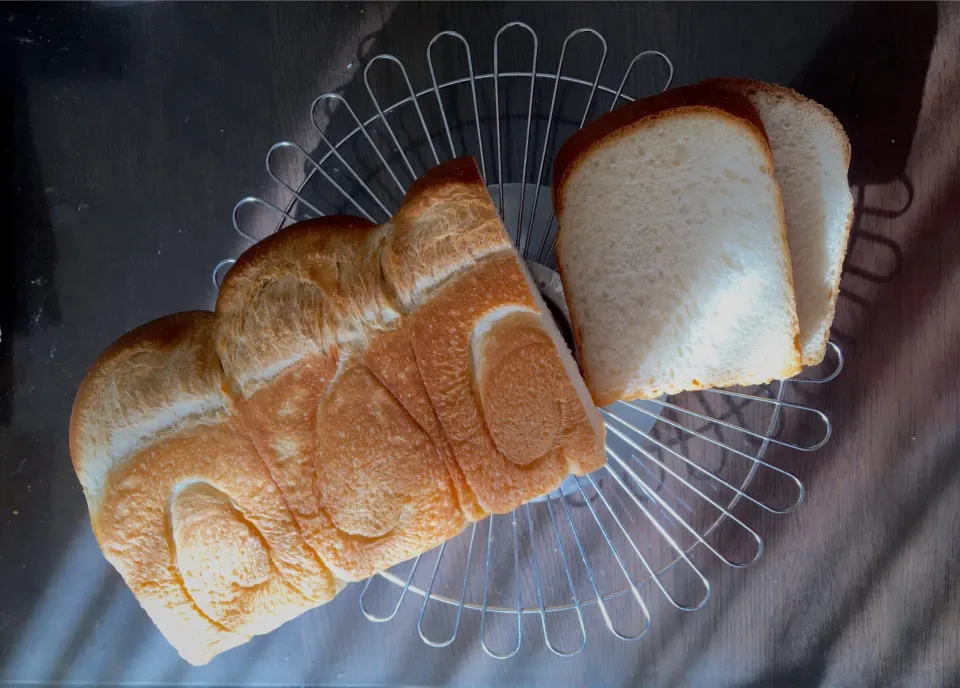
811,155
360,394
672,248
179,499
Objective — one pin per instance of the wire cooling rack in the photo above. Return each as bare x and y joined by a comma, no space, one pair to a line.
677,467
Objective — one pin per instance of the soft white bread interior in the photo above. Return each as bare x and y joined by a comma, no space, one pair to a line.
360,394
672,248
811,155
179,499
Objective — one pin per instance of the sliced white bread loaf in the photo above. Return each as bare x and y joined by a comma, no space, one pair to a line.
811,155
359,395
672,248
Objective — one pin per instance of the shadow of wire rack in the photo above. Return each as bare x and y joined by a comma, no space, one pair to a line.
677,467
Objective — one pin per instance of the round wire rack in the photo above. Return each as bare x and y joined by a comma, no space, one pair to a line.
677,467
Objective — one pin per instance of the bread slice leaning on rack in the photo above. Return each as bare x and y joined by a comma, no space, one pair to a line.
811,155
359,395
672,248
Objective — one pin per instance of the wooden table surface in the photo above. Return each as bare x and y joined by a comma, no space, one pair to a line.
130,131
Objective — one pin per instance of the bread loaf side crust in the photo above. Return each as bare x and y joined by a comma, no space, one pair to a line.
151,378
474,396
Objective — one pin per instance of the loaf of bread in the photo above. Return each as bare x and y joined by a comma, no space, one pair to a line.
811,155
672,248
359,395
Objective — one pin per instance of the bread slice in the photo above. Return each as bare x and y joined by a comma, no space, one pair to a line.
294,316
494,366
811,155
515,421
672,248
179,499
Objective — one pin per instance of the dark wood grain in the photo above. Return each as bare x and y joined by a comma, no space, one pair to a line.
130,131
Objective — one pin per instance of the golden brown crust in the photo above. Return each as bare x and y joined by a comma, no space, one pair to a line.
170,333
447,223
293,432
317,287
179,499
391,358
286,241
310,285
444,340
280,419
384,494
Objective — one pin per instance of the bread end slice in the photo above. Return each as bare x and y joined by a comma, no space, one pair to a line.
672,248
811,154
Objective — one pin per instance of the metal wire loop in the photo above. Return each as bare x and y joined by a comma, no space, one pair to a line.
215,275
549,129
403,592
733,450
830,376
633,62
657,498
267,204
663,533
486,586
575,601
473,92
828,427
296,194
622,566
416,105
334,149
526,139
695,466
463,594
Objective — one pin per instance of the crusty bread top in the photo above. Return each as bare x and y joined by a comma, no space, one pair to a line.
157,377
318,284
429,241
311,286
614,124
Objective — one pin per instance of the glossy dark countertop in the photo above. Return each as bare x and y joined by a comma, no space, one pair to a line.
129,132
